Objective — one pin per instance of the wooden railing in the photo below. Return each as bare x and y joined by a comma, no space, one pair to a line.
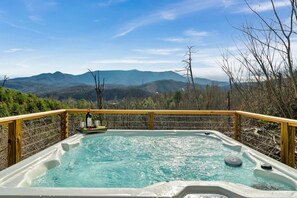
287,126
15,132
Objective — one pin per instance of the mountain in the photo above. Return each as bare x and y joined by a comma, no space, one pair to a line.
130,77
57,78
51,82
121,77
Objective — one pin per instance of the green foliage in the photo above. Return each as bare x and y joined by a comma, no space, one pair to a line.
15,103
148,103
177,98
4,110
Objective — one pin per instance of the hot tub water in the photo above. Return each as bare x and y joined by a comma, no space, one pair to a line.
136,160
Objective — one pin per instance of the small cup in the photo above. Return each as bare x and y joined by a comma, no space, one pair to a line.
96,123
82,125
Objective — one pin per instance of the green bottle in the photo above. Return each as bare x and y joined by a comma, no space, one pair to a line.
89,122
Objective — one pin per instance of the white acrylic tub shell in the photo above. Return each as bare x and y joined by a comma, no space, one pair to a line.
15,181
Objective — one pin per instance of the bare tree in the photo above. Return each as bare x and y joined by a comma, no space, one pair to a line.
282,32
189,72
99,88
265,68
5,78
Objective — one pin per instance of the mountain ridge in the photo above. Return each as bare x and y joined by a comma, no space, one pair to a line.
123,77
146,81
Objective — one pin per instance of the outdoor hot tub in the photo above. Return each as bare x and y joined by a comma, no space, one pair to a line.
142,163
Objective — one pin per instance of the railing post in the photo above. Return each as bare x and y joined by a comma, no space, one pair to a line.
287,144
64,125
151,118
237,127
14,142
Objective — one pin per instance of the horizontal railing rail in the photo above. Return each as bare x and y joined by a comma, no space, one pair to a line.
287,126
274,119
167,112
31,116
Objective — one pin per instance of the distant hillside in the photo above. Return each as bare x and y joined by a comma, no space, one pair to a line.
131,77
121,77
113,92
56,81
163,86
204,81
30,87
87,92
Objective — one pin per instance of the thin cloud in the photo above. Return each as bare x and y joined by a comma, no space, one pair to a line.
265,6
168,15
159,51
14,50
195,33
125,32
132,61
229,3
22,28
171,12
175,39
189,35
137,57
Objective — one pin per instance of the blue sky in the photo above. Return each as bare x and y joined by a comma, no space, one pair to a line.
41,36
